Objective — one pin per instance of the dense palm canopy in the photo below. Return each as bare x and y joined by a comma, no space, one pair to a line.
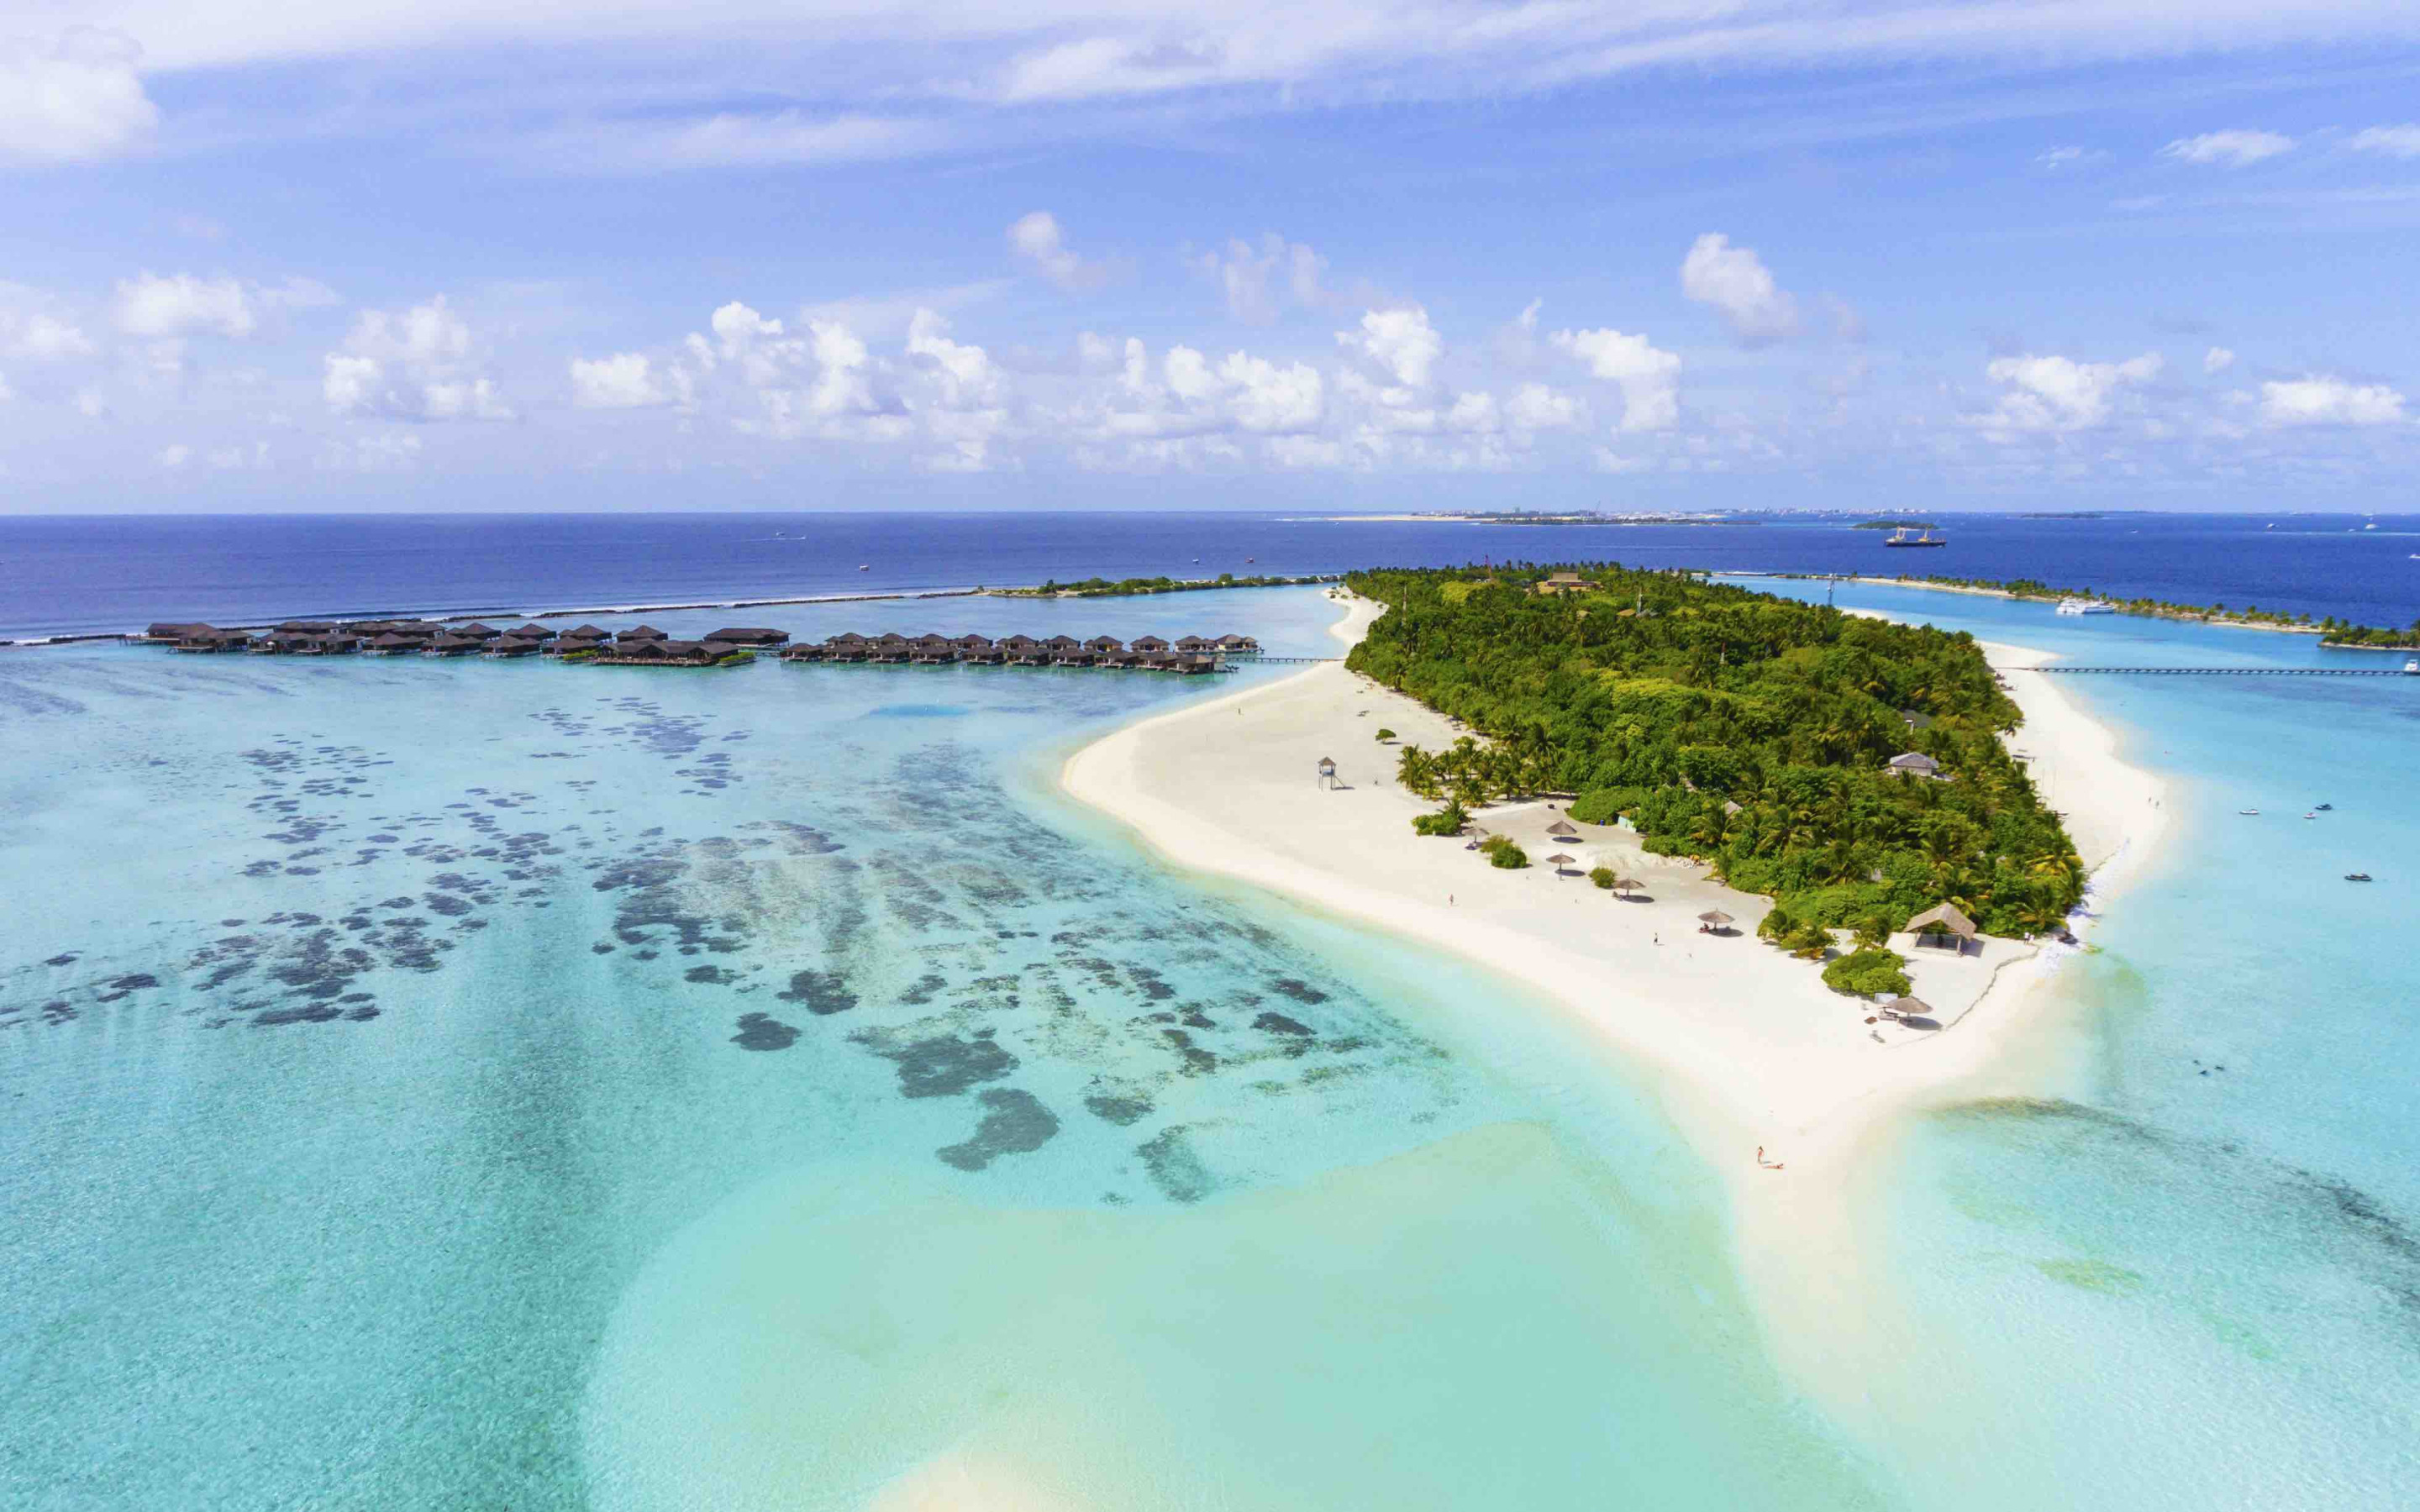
1750,731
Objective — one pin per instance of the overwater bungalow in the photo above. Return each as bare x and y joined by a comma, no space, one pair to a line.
1196,645
935,650
451,644
1150,644
974,642
205,637
665,653
395,643
476,631
513,645
1058,644
334,643
640,633
1238,645
276,643
803,651
1105,645
168,632
307,627
1014,643
1126,658
1033,653
588,633
751,634
847,647
531,631
1075,656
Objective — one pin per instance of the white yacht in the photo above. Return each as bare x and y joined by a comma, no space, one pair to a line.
2084,606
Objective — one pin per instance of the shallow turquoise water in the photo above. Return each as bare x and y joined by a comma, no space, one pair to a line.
443,1084
451,1084
2189,1274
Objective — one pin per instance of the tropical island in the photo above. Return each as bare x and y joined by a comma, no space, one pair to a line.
1897,525
1132,587
1850,767
2330,630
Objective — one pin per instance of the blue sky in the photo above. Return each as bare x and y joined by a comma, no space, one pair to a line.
1087,253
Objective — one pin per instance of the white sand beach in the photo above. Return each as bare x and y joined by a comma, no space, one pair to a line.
1744,1045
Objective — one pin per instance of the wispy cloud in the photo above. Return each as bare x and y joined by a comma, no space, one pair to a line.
2228,150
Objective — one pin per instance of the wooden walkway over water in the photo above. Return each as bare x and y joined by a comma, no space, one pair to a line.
2227,672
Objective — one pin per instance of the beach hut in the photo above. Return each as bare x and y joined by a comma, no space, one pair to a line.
1914,763
751,634
1326,771
641,633
1713,922
1944,927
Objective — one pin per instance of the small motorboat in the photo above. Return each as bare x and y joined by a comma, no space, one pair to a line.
863,567
2327,807
2248,813
2312,814
2356,876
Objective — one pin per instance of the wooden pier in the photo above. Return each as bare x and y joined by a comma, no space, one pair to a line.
2225,672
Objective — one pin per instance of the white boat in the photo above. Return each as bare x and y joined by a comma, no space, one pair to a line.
2249,812
2412,669
2310,815
2082,605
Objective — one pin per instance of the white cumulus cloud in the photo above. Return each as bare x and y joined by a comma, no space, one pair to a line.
2227,149
626,380
1649,378
182,305
2059,393
2217,360
1257,279
74,96
414,364
2328,401
1735,282
2392,141
1399,342
1037,239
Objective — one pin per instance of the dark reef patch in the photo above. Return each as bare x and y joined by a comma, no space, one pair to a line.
1300,991
713,977
1280,1023
820,992
762,1031
1124,1112
1169,1158
940,1065
1015,1122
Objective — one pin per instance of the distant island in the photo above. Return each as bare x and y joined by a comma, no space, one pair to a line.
1897,525
1850,767
1533,516
1132,587
2330,630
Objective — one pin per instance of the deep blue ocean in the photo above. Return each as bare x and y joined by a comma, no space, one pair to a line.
69,576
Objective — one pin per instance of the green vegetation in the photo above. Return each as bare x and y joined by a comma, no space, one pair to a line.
1805,938
2332,632
1748,730
1868,973
1501,852
1385,734
1446,821
1603,876
1129,587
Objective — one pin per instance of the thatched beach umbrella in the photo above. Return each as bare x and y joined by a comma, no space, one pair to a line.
1713,922
1625,886
1562,830
1561,861
1907,1007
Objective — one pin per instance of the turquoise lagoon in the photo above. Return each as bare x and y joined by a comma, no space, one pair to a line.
451,1084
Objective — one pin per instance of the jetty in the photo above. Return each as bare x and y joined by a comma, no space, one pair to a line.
645,646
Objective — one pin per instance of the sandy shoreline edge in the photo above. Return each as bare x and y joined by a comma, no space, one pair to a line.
1743,1046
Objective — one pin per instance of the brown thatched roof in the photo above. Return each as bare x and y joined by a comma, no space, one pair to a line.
642,632
1945,920
587,632
1714,915
1909,1007
1562,826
